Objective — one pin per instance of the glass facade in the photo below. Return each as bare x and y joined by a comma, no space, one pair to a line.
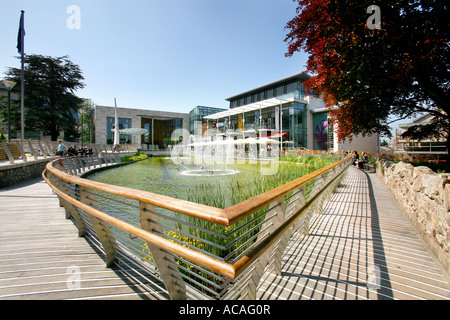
290,119
197,125
292,88
169,126
123,124
159,134
258,113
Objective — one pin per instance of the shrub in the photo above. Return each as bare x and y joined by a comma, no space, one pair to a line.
135,157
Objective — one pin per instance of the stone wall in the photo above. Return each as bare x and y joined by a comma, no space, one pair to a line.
20,172
424,196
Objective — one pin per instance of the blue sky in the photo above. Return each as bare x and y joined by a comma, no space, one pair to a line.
158,54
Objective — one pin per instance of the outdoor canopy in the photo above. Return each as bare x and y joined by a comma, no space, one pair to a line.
135,131
273,102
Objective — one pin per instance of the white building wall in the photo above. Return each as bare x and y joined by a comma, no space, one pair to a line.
359,143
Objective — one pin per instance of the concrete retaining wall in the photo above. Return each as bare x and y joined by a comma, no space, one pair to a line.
424,196
12,174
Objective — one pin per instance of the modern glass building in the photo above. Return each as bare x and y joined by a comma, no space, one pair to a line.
197,122
278,110
282,110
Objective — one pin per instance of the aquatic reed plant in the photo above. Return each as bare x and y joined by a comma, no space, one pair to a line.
221,195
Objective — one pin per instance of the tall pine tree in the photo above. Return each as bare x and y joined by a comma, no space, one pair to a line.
50,101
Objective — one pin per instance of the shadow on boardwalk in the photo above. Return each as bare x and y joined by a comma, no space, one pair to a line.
42,257
361,247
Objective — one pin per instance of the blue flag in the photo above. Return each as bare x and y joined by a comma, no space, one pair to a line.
21,34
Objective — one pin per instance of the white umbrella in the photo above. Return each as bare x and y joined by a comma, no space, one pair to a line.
239,141
267,140
250,140
136,131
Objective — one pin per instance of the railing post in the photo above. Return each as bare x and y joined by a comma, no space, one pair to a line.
101,229
49,148
72,212
79,164
32,151
22,153
164,261
8,152
41,147
68,166
274,218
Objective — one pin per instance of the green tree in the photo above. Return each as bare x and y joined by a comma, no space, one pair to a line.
15,113
50,101
398,71
85,120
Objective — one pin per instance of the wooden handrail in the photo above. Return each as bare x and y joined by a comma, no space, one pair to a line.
224,217
221,267
189,208
243,263
194,256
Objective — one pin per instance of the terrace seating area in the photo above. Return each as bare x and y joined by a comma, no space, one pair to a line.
34,149
9,151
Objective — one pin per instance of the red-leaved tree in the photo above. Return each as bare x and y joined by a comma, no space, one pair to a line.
374,75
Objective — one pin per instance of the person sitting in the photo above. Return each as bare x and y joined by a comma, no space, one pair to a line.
71,152
355,157
364,159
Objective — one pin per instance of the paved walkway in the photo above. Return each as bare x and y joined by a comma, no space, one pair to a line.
362,247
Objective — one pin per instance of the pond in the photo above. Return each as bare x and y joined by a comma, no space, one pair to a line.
219,185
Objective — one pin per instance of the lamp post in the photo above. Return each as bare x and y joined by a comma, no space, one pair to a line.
9,85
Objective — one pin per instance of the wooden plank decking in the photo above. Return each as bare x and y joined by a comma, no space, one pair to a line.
362,247
40,252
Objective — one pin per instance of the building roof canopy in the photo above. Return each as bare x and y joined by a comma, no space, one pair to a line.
249,107
301,75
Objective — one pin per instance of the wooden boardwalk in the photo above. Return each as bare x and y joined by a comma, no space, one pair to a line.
360,248
41,254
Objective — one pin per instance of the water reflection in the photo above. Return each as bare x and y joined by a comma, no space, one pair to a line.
173,178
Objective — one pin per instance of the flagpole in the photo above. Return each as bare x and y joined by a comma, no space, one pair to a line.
22,82
22,102
116,126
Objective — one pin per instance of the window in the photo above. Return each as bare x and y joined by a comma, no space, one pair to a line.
123,124
291,87
279,91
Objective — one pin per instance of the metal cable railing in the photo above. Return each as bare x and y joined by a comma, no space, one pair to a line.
186,250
